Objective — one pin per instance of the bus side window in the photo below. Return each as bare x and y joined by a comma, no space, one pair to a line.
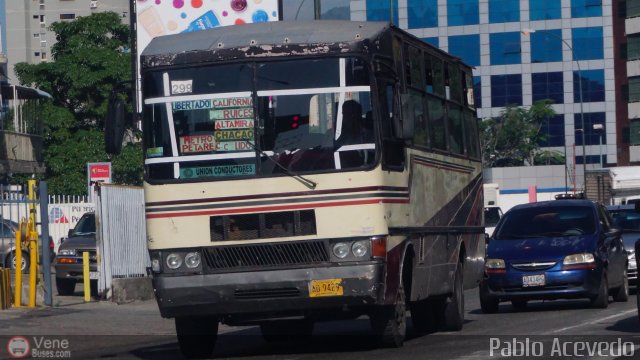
393,157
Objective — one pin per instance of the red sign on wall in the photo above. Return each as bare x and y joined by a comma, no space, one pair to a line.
99,171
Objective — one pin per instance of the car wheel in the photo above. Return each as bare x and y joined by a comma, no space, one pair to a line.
282,331
65,287
389,323
602,299
196,336
454,305
11,259
622,293
488,303
519,305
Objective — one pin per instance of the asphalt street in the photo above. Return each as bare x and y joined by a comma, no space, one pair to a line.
136,331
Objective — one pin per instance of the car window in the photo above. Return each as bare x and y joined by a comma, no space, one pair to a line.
626,219
86,225
491,216
6,231
604,218
547,221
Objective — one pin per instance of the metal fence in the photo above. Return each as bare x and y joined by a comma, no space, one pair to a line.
121,234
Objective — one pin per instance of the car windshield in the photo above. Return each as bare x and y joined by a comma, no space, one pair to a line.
258,119
546,221
628,220
86,226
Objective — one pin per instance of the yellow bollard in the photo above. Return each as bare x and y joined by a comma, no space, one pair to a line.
18,261
85,276
33,267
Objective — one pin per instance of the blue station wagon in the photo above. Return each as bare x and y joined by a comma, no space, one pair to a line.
558,249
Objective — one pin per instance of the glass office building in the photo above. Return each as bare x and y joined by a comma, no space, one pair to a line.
569,58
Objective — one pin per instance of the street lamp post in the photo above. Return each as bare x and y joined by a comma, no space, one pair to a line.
601,128
584,133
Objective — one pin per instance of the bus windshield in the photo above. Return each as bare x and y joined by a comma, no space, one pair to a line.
258,119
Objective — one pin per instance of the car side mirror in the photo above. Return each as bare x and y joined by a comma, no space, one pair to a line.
487,238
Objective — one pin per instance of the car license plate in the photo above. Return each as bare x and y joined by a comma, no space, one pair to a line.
533,280
94,275
328,287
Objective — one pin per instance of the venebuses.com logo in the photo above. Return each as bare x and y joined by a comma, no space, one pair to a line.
20,347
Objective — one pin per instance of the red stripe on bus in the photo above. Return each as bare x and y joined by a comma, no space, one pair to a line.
282,207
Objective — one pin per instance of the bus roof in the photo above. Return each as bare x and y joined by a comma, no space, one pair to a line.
269,33
270,39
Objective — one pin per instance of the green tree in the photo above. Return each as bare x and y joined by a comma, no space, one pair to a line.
88,60
513,138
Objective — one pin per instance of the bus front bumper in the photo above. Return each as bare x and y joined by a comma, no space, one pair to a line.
267,293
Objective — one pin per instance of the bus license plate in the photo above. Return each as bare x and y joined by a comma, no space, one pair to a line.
533,280
329,287
94,275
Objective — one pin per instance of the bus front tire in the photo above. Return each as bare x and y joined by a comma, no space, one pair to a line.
389,323
196,336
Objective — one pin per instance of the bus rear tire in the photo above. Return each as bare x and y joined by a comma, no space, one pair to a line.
389,323
454,305
196,336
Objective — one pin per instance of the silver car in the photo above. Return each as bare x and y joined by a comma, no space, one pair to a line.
627,218
8,231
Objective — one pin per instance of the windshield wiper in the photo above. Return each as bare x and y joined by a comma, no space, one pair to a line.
304,181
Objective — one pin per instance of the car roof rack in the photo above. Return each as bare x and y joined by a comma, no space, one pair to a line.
567,196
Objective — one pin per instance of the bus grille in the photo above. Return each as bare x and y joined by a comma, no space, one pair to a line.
265,255
263,225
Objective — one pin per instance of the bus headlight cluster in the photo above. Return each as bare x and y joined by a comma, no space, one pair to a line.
181,261
357,249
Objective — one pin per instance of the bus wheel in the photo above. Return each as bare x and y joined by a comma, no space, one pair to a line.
454,306
389,323
197,336
423,316
281,331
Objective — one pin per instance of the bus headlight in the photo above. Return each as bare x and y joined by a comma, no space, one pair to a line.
192,260
174,261
341,250
359,248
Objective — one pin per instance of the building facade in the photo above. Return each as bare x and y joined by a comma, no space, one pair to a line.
529,50
28,37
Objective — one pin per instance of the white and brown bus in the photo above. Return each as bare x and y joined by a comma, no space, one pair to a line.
309,171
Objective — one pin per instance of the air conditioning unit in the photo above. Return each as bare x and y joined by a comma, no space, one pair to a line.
93,4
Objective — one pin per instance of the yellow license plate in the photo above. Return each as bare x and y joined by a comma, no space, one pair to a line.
328,287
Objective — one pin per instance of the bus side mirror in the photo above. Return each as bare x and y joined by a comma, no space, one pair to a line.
114,125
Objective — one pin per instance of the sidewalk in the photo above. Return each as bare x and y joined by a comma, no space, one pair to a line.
70,315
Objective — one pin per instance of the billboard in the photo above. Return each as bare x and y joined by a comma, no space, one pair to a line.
165,17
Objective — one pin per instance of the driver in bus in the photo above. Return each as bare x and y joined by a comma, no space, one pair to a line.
355,131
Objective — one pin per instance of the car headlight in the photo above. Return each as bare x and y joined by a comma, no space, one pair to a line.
67,252
341,250
360,248
582,258
174,261
494,264
584,261
192,260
